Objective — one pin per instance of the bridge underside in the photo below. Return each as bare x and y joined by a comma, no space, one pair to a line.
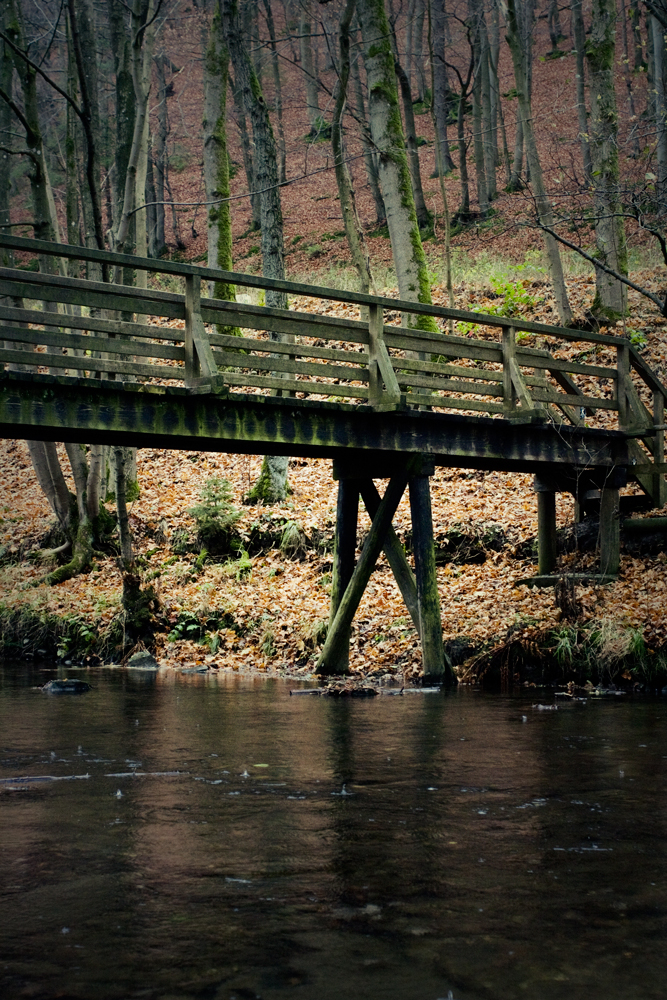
45,407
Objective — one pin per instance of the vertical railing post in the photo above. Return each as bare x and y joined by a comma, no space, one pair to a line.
375,336
623,368
509,354
192,311
659,484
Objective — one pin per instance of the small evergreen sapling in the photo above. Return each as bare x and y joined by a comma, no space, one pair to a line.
215,516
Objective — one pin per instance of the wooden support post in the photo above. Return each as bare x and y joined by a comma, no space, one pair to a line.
375,331
509,355
546,529
610,531
395,555
623,366
423,546
345,545
337,642
659,484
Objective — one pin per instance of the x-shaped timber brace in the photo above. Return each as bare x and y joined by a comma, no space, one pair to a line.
419,589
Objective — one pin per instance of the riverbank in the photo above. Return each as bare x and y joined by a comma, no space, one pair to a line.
264,606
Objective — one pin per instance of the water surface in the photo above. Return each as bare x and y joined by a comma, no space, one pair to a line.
217,838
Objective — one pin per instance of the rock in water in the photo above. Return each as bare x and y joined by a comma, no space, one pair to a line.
142,661
66,687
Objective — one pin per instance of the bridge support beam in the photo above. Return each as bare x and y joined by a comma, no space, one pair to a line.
546,527
610,531
349,582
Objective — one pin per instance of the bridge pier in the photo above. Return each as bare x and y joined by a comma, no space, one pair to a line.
608,499
419,590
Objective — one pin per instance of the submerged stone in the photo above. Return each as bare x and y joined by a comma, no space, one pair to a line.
66,687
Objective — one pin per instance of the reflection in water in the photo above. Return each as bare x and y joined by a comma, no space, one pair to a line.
225,840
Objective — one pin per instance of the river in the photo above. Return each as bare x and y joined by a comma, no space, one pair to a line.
192,837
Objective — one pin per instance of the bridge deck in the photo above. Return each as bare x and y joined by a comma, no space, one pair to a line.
178,369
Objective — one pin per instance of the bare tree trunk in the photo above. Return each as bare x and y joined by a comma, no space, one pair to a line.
658,34
478,144
143,37
488,132
542,205
582,114
353,230
611,294
418,48
248,164
442,97
308,67
278,96
555,30
216,162
370,162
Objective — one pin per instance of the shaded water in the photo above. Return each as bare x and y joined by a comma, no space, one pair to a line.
230,841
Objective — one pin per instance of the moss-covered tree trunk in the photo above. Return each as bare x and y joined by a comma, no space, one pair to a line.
388,138
611,295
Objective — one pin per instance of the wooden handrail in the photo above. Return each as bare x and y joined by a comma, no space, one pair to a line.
177,269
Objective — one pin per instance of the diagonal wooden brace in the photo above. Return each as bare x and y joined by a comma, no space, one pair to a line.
395,554
334,651
201,370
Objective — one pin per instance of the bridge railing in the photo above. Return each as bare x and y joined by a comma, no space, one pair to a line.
403,354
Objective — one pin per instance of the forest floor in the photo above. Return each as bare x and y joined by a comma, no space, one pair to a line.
266,611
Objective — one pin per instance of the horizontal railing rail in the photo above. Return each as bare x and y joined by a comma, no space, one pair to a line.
107,329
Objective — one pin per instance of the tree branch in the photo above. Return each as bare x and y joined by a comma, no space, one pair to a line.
662,306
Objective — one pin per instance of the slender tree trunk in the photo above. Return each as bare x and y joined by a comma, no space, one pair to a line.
370,161
582,114
278,96
478,144
488,133
385,122
272,484
418,48
160,150
611,294
463,213
6,73
309,75
659,61
423,216
353,230
216,161
442,97
555,30
248,164
542,205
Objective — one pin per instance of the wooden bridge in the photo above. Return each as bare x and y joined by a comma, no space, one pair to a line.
389,395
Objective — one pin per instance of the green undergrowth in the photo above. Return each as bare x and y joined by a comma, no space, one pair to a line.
600,653
30,632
